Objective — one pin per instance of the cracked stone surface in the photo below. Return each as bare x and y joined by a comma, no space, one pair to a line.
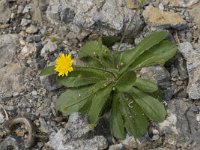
192,57
70,137
181,127
8,46
110,16
11,79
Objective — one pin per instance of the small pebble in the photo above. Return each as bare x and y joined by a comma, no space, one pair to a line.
161,7
32,29
25,22
198,117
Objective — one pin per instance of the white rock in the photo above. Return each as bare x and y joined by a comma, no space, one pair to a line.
161,7
34,93
2,119
26,51
198,117
25,22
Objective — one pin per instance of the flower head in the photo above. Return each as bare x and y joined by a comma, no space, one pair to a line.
64,65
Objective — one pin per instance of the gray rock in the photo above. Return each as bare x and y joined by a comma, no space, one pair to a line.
109,16
158,74
181,67
11,79
59,11
37,38
25,22
8,46
116,147
161,76
8,142
49,82
96,143
193,67
180,3
78,125
122,46
49,47
30,39
43,126
130,142
72,137
27,8
164,19
5,11
181,127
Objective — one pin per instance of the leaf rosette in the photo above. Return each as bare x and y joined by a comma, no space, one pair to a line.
107,81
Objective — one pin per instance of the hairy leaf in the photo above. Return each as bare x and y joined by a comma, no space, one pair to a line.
135,120
150,106
82,76
158,54
93,49
145,85
129,56
98,102
74,99
48,70
116,120
86,107
126,81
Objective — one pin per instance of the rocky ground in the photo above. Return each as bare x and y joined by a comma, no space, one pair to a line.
33,33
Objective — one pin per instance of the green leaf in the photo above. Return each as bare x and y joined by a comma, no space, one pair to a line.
110,40
145,85
72,100
129,56
93,49
82,76
48,70
86,107
126,81
77,81
135,120
98,103
150,106
158,54
116,120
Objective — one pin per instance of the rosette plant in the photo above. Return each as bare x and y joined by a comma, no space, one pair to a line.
107,82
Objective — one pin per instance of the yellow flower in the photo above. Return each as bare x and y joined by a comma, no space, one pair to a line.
64,65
